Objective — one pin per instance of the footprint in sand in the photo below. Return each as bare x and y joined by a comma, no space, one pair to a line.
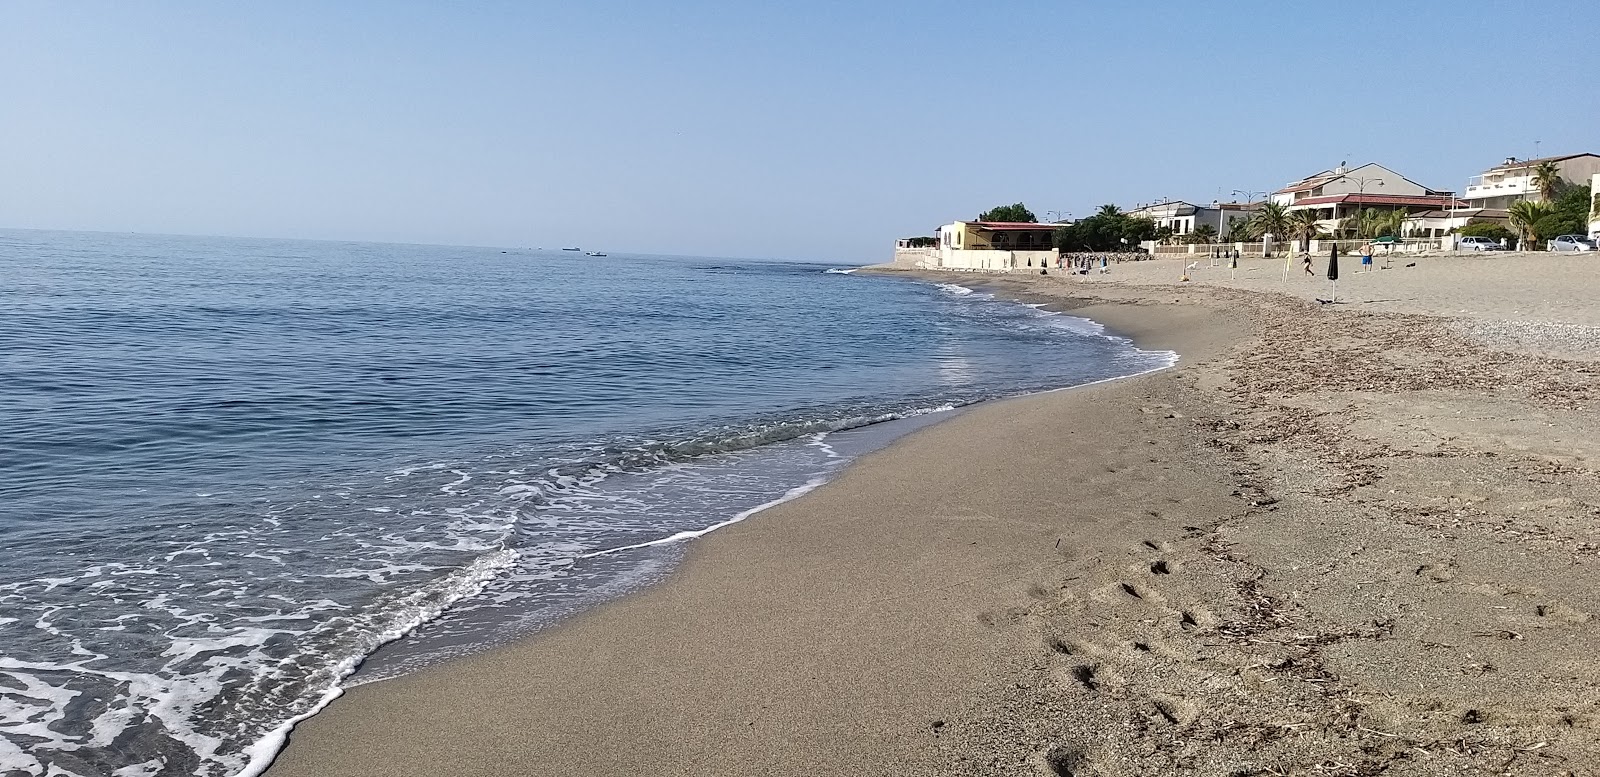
1063,761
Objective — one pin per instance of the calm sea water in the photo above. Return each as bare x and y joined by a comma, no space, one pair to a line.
236,475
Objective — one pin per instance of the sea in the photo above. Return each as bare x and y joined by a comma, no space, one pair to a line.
240,475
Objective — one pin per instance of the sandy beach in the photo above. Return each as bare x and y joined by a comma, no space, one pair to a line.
1348,539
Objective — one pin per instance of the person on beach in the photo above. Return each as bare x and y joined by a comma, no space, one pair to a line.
1305,261
1366,260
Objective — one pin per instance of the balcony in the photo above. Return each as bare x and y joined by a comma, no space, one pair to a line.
1478,188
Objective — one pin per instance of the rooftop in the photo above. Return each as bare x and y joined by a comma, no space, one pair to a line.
1376,199
1011,226
1518,164
1470,213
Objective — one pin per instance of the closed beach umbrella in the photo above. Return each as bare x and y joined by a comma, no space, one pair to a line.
1333,271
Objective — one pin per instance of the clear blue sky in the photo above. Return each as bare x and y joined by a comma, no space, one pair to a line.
818,130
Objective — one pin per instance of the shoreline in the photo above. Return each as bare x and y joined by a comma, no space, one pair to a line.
1143,341
1202,569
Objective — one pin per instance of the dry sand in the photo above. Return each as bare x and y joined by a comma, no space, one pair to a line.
1332,542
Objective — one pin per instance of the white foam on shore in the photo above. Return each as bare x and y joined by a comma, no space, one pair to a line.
839,271
790,495
417,608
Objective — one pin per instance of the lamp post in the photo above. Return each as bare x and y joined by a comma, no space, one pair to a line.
1249,197
1055,216
1361,191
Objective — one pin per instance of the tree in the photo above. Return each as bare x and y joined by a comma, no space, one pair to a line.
1135,229
1547,178
1109,229
1163,234
1493,230
1205,233
1524,215
1011,213
1568,215
1272,219
1241,227
1303,225
1371,222
1389,224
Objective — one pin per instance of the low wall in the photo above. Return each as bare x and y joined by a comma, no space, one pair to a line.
1114,258
916,258
1002,261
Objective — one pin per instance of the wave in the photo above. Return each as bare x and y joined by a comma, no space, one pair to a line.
418,549
839,271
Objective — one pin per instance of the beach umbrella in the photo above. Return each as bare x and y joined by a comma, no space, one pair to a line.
1333,270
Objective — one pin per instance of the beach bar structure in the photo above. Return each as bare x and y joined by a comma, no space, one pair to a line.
996,245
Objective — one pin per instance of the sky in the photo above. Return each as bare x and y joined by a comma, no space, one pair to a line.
806,130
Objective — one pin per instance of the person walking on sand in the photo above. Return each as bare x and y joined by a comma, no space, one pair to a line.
1305,261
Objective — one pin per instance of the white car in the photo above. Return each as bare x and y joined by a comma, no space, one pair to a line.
1479,244
1572,243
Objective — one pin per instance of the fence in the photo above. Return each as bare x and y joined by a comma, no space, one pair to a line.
1222,250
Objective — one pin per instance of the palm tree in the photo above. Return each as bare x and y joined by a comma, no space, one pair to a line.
1205,233
1109,211
1303,224
1547,178
1389,224
1271,219
1524,215
1241,227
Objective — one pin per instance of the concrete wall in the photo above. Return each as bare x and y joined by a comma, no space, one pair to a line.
1002,261
916,258
1580,170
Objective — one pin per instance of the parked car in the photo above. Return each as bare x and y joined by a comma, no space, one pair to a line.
1572,243
1480,244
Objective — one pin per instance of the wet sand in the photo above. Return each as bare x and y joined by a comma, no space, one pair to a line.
1331,541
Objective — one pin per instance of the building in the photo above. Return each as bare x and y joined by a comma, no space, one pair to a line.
1338,193
996,245
1512,180
1371,178
1438,223
1183,218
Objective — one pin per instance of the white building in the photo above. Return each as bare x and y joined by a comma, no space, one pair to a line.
1183,218
1512,180
1340,192
996,245
1371,178
1438,223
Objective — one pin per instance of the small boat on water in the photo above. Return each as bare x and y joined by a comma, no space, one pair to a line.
574,248
593,253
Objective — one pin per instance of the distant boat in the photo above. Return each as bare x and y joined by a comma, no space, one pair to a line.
593,253
574,248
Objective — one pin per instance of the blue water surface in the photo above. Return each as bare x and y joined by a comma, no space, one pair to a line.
234,470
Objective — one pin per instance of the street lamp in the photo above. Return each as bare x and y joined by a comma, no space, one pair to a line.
1055,216
1361,191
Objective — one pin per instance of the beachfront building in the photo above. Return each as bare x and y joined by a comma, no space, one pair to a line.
1183,218
1338,193
1439,223
1513,180
996,245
